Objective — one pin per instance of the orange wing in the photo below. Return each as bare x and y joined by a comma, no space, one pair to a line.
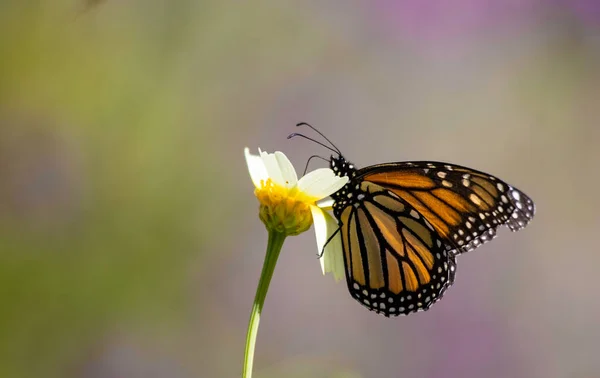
463,205
395,261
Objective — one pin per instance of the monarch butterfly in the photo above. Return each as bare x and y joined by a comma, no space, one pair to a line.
403,225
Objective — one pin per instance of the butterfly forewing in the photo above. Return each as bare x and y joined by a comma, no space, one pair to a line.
395,261
464,206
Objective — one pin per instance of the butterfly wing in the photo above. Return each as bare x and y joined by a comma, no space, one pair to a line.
463,205
394,259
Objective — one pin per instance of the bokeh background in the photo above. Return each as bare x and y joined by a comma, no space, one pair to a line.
129,239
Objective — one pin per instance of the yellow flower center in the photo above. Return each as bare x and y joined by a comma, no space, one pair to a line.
284,210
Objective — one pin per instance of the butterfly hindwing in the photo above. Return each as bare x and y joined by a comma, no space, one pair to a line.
395,261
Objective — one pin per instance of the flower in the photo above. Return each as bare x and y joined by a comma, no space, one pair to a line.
290,206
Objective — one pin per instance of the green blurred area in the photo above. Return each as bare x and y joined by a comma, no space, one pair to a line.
129,238
105,197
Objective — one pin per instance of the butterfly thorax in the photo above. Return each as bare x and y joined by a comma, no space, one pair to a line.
347,195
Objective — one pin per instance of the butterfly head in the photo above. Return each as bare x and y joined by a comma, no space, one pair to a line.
342,167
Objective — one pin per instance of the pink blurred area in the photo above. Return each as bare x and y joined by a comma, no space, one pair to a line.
130,244
465,19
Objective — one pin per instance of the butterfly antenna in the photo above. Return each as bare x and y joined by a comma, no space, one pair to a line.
308,161
292,135
321,134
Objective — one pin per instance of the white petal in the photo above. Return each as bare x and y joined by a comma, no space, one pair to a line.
321,182
287,169
272,166
332,259
326,203
256,167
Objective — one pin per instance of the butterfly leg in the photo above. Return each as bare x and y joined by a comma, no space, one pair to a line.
319,255
308,162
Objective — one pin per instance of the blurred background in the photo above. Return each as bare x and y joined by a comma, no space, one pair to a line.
130,244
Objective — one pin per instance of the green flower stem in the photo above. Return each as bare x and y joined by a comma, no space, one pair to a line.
276,240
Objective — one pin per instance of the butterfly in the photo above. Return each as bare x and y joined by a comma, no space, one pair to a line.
403,225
